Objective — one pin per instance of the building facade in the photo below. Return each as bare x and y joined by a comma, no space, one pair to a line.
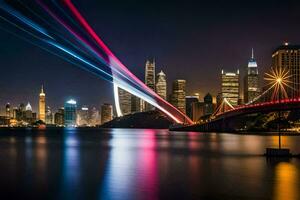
189,100
161,85
149,81
288,57
70,113
42,105
230,86
106,113
208,104
125,101
251,81
178,95
59,117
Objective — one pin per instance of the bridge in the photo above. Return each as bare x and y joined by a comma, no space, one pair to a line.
59,28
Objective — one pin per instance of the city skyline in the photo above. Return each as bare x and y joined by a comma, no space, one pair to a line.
134,55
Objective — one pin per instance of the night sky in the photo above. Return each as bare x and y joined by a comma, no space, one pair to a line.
190,40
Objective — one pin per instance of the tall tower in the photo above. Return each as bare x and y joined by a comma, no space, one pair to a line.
42,105
125,101
161,85
251,81
231,87
178,95
149,80
287,57
106,113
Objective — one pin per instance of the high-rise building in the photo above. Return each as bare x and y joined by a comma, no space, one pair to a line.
150,74
288,57
161,85
49,116
251,81
125,101
149,80
197,111
135,104
70,113
231,87
189,100
106,113
83,116
59,118
28,113
208,105
8,112
178,94
95,117
42,105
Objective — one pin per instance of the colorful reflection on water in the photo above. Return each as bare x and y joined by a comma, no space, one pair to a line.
143,164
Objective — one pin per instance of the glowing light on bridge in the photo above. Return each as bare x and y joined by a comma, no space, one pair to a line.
278,80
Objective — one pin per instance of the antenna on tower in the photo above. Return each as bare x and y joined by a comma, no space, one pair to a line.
252,54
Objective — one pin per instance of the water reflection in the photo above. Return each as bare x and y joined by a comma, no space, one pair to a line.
143,164
286,181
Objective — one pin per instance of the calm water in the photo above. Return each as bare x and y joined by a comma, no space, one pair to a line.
143,164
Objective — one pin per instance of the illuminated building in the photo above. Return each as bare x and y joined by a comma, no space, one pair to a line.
95,117
189,100
178,94
149,80
70,113
59,117
42,105
287,57
28,113
83,116
135,104
125,101
230,87
49,116
251,81
208,105
161,85
197,111
8,112
106,113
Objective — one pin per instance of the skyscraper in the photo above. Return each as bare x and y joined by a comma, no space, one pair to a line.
106,113
28,113
59,117
178,94
161,85
83,116
288,57
230,87
150,74
49,116
189,100
70,113
208,104
42,105
135,104
149,80
8,112
251,81
125,101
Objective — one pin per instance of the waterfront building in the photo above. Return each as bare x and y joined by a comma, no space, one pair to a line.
135,104
251,81
197,111
125,101
28,113
178,94
83,116
189,100
8,111
42,105
70,113
230,87
161,85
106,113
208,105
149,80
49,116
59,117
288,57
